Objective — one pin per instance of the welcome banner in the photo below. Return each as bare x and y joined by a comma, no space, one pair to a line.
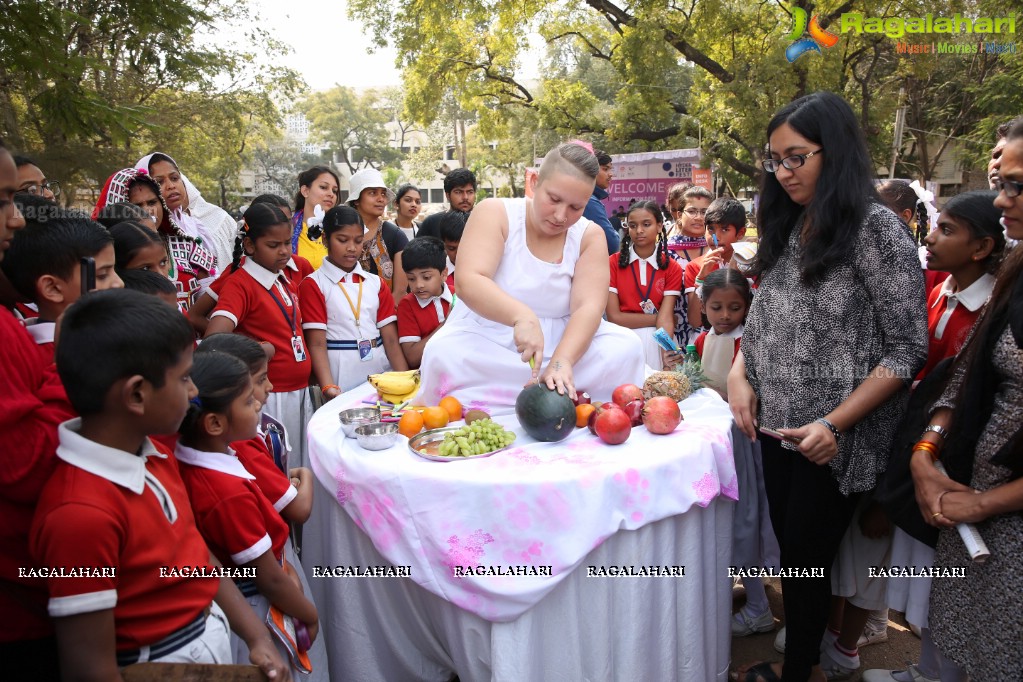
649,176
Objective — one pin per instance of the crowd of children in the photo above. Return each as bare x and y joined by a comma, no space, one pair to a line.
145,419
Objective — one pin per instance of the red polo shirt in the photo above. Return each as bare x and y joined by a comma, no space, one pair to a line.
104,508
257,460
417,319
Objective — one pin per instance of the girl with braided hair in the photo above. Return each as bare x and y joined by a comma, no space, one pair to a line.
645,282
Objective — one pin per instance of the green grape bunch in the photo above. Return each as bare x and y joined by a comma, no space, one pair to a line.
480,437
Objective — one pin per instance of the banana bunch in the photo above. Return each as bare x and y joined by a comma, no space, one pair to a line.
396,387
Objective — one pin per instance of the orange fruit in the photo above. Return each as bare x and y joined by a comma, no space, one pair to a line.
410,424
454,408
435,417
582,414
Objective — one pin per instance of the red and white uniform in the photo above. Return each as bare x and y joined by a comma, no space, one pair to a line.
105,508
257,460
234,516
418,317
717,353
42,333
32,405
332,300
295,271
950,316
642,281
264,307
693,268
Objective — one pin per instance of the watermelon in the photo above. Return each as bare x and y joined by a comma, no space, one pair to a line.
546,415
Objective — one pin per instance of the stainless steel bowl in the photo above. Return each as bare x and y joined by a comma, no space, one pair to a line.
378,436
357,416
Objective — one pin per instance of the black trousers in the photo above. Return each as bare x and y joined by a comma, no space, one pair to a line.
34,660
809,516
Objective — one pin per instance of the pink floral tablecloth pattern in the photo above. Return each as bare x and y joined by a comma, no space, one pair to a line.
535,504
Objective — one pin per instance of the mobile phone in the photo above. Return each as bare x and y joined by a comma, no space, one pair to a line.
779,435
88,265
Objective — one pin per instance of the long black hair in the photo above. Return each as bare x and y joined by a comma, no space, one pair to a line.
662,235
306,179
256,221
978,212
219,378
844,188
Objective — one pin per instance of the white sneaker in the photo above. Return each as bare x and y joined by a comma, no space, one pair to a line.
910,674
837,666
779,641
744,624
871,636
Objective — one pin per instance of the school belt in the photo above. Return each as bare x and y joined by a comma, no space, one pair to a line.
247,587
170,643
352,345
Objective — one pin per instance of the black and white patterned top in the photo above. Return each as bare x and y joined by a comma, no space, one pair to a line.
807,347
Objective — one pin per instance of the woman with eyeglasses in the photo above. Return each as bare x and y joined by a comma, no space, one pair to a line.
975,431
32,180
687,241
834,337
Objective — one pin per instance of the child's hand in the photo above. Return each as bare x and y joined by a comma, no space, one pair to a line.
264,655
313,629
300,476
714,260
331,392
670,359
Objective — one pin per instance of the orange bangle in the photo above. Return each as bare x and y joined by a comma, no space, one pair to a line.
328,387
929,448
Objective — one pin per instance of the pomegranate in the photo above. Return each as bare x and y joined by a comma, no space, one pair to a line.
626,393
582,398
661,415
634,408
613,426
603,407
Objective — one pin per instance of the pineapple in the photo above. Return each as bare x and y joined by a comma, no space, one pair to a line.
677,384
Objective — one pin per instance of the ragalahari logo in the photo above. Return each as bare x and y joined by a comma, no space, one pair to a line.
817,39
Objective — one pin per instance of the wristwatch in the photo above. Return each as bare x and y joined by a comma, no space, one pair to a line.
936,429
831,427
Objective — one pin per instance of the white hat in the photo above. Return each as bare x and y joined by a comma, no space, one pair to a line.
364,179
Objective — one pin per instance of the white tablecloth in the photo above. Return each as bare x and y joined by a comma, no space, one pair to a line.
656,500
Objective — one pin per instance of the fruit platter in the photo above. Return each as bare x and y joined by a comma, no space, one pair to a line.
482,438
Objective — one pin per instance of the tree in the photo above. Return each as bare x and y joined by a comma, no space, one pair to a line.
666,67
352,126
276,160
88,88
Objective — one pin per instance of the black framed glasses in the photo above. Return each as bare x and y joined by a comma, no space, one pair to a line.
693,212
1011,188
790,162
37,190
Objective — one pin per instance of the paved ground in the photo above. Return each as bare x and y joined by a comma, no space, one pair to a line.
902,645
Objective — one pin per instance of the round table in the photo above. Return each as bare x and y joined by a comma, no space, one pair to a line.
570,560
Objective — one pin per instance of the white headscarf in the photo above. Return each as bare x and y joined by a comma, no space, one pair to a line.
212,224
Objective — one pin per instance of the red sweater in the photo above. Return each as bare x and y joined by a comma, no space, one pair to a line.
32,405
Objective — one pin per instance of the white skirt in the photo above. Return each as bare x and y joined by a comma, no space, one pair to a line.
911,596
293,410
850,574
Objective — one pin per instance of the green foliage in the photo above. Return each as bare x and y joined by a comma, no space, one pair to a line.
352,126
89,87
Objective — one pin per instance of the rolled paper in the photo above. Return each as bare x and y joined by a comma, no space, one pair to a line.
975,545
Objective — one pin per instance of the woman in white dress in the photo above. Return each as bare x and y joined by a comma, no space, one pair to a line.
532,285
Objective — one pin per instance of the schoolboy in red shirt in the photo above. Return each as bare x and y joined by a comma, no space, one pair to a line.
32,404
725,224
452,224
422,312
44,266
116,506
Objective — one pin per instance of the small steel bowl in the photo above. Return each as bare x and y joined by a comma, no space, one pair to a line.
378,436
357,416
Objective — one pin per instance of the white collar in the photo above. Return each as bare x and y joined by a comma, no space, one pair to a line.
117,466
42,332
260,274
215,461
734,334
336,274
445,295
633,257
973,296
292,265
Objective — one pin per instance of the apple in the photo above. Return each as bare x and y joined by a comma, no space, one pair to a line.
626,393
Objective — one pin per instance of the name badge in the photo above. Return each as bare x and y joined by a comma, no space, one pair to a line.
299,348
648,307
365,350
